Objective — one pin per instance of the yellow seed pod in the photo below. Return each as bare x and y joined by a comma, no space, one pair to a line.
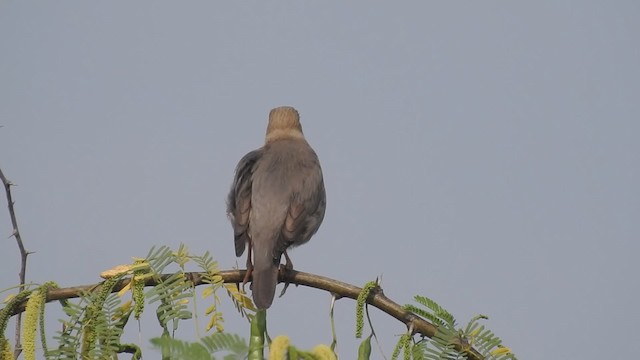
475,332
207,291
115,271
32,312
501,350
324,352
278,348
216,320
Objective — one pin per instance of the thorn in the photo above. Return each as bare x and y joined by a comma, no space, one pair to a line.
14,233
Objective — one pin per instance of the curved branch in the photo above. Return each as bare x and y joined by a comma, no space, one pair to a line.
339,288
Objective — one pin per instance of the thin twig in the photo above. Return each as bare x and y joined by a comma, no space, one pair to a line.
373,332
414,322
334,341
23,254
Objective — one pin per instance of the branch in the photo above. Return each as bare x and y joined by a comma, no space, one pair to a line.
340,289
23,253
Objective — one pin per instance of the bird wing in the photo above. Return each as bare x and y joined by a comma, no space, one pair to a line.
239,199
305,212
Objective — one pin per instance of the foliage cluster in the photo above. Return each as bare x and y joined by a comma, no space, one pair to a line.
94,324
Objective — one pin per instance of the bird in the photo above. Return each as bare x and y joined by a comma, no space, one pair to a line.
277,201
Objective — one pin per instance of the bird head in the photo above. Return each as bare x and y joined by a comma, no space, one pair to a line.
284,123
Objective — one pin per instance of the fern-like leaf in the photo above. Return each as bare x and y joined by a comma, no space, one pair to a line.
70,336
235,345
437,310
435,320
178,349
173,295
159,259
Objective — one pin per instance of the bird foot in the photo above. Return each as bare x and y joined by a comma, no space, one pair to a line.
247,276
283,270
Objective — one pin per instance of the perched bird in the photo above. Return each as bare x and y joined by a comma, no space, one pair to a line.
277,200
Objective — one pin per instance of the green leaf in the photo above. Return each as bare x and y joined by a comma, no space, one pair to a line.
364,350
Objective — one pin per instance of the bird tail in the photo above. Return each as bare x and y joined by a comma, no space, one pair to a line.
263,286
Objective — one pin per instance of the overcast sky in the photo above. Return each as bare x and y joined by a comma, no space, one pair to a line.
484,154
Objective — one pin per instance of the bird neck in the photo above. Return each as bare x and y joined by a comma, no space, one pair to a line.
284,134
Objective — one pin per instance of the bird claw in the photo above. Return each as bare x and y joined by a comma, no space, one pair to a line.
284,290
283,270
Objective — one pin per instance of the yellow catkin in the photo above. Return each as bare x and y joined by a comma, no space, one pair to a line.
324,352
6,353
31,313
138,279
278,348
360,303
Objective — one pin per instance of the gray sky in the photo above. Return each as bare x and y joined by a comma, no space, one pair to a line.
483,154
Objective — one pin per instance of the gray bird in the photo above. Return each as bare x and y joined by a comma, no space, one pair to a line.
277,201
